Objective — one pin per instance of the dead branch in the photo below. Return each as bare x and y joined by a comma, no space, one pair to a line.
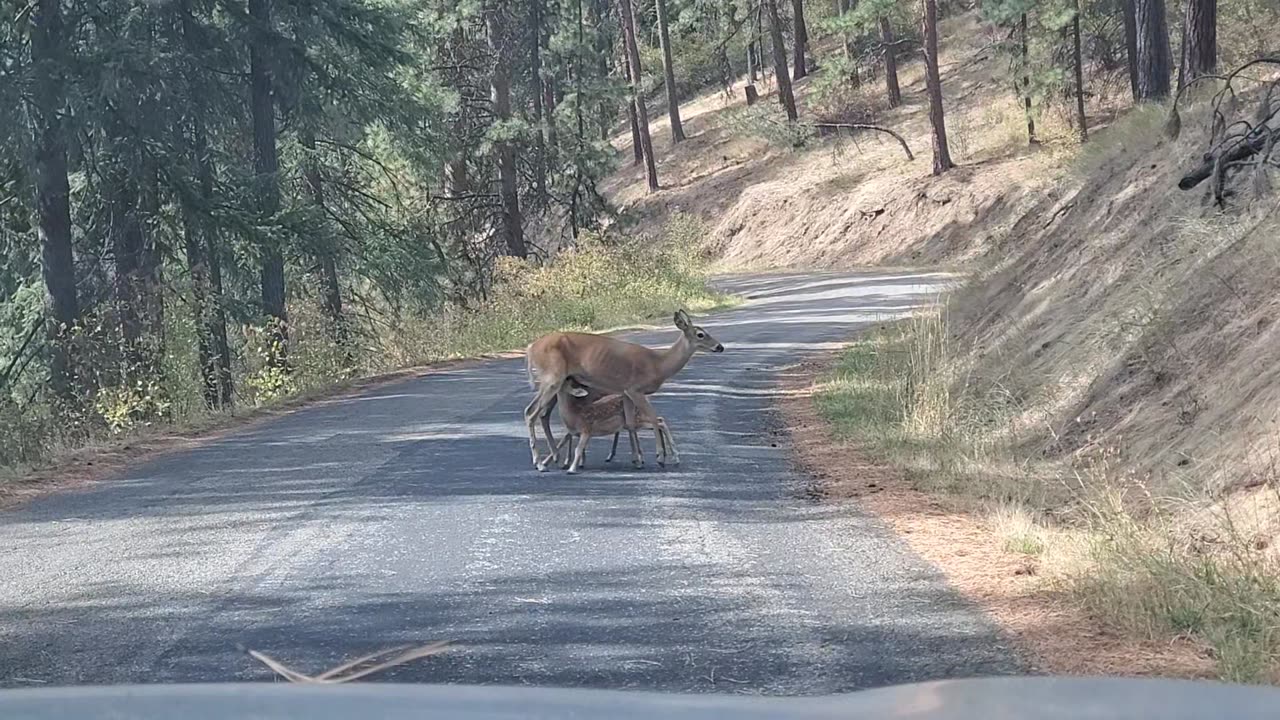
861,126
1232,141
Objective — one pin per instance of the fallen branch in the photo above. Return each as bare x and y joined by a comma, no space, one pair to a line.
1247,148
860,126
1230,143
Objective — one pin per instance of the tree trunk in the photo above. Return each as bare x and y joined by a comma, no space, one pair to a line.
764,66
752,73
802,40
637,93
218,319
1081,120
535,79
890,63
604,45
125,230
669,73
200,309
1199,40
53,192
203,257
785,95
1131,44
327,255
152,259
933,81
1154,61
500,94
267,165
843,7
637,147
1026,81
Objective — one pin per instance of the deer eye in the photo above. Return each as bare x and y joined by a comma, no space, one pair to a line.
701,334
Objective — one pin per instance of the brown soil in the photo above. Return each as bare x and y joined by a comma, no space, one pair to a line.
1054,634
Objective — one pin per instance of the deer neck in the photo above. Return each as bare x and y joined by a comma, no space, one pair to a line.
673,359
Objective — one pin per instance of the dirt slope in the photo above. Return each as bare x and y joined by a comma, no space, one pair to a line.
1112,310
849,201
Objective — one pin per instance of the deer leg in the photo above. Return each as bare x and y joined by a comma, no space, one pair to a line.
613,450
635,449
555,453
629,404
583,439
644,416
568,457
673,455
533,411
546,422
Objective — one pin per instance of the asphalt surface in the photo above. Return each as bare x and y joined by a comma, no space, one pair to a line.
410,513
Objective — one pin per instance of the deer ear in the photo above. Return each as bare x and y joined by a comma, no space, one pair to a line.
682,320
578,391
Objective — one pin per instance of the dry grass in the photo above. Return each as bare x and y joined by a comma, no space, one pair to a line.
985,557
1153,569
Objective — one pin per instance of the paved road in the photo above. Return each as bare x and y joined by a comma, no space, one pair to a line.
410,513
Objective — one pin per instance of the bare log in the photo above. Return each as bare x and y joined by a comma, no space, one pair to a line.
1205,169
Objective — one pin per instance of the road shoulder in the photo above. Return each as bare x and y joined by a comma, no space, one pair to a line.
1054,635
103,461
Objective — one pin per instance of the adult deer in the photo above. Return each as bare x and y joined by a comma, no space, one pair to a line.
608,365
587,414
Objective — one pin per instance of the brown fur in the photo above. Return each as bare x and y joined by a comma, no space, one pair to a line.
608,365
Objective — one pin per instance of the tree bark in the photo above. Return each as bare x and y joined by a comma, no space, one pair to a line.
637,93
500,94
802,40
933,81
1026,81
326,256
125,228
843,7
1081,120
669,73
637,147
1154,61
890,63
1199,41
1128,10
785,95
206,280
535,79
267,166
753,73
203,257
53,191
